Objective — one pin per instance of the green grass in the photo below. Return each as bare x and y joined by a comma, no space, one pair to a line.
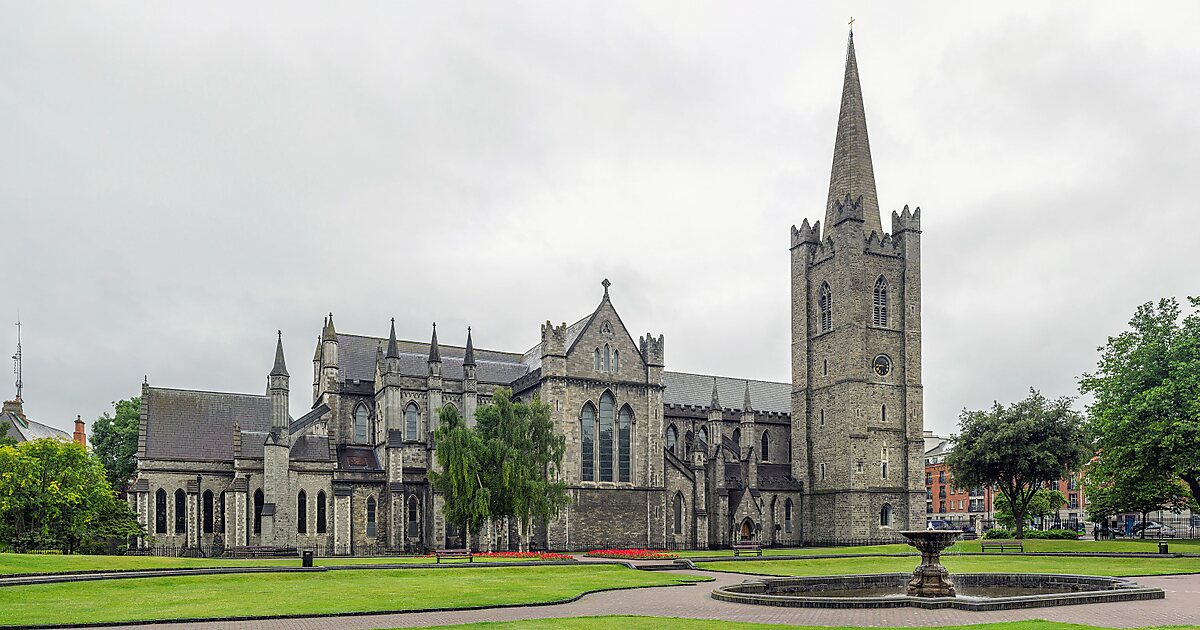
963,564
11,563
311,593
1147,546
675,623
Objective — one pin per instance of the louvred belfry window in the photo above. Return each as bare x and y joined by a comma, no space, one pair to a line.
879,310
825,304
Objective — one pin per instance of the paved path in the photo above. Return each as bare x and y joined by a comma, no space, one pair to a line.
1181,606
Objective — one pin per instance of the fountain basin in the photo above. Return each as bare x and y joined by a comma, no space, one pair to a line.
976,591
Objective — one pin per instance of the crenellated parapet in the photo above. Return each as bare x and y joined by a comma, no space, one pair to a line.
806,234
906,221
652,349
822,252
883,245
554,339
847,210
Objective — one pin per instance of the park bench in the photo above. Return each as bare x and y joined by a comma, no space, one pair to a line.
261,551
453,553
747,548
1001,545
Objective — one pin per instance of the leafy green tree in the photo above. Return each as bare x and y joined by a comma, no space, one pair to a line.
1113,492
1146,412
115,441
1044,504
461,456
54,494
1018,449
5,427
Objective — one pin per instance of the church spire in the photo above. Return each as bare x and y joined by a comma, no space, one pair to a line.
393,351
852,173
435,356
280,369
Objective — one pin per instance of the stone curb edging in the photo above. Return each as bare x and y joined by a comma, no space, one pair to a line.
29,579
1062,554
148,622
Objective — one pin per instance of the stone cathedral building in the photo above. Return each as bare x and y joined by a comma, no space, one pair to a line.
655,458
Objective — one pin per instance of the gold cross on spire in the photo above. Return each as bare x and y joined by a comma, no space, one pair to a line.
851,23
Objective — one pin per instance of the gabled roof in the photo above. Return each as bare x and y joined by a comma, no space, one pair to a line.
686,389
356,360
22,429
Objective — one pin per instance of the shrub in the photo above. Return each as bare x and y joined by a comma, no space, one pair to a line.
998,532
632,554
1052,534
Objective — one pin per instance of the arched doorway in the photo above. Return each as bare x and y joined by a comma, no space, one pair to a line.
746,531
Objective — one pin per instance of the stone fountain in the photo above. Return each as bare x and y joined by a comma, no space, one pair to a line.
930,578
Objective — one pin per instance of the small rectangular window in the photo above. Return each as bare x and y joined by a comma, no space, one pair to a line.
822,471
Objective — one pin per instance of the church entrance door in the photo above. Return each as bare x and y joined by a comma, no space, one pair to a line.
747,530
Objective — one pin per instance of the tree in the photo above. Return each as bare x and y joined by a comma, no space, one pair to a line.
5,427
1112,492
1018,449
1146,412
54,494
1044,504
115,441
460,454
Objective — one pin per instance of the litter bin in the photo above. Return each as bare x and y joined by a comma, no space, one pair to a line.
307,559
1162,546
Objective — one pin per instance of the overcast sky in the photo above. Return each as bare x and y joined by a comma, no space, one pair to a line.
179,180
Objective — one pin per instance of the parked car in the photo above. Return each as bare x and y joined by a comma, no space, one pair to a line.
939,525
1153,529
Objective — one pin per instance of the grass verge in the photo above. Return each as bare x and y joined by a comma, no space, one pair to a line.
312,593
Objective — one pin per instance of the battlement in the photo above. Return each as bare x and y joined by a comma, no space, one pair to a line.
823,251
806,234
652,349
848,210
906,221
554,339
883,245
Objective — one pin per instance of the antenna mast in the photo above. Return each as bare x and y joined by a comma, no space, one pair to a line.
17,360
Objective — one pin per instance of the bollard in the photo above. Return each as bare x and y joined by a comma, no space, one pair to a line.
307,559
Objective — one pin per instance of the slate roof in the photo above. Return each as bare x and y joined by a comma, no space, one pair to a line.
198,426
533,356
356,360
311,448
683,388
22,429
357,458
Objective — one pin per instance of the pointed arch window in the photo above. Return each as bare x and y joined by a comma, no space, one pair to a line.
301,513
787,515
322,524
208,512
885,515
258,508
596,360
414,517
411,420
672,438
702,438
361,419
180,512
587,432
607,358
825,304
607,405
883,413
765,446
616,361
160,511
371,530
737,439
624,443
221,512
883,462
678,512
879,303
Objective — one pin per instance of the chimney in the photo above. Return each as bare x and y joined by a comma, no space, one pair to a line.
79,436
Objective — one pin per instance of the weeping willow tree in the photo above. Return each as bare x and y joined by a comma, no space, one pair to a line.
461,454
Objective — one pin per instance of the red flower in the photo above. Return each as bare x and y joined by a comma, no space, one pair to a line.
633,554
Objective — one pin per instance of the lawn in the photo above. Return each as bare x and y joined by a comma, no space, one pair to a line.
675,623
963,564
1146,546
13,563
312,593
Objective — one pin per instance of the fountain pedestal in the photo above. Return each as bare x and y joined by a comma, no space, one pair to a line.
930,578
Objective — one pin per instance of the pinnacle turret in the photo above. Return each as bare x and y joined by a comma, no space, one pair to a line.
746,407
280,369
852,174
716,402
328,333
469,357
435,356
393,350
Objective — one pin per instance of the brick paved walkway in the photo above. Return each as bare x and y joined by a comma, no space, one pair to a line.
1181,606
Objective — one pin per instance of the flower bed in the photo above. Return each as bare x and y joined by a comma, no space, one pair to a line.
529,555
632,554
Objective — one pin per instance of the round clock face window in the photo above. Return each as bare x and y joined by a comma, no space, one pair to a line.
882,365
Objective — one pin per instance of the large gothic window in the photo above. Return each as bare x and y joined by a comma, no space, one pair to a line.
180,512
302,513
371,517
672,437
879,304
765,446
208,512
160,511
624,443
607,403
258,507
411,416
361,419
825,304
587,428
322,524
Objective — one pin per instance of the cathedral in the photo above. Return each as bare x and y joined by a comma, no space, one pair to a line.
655,458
